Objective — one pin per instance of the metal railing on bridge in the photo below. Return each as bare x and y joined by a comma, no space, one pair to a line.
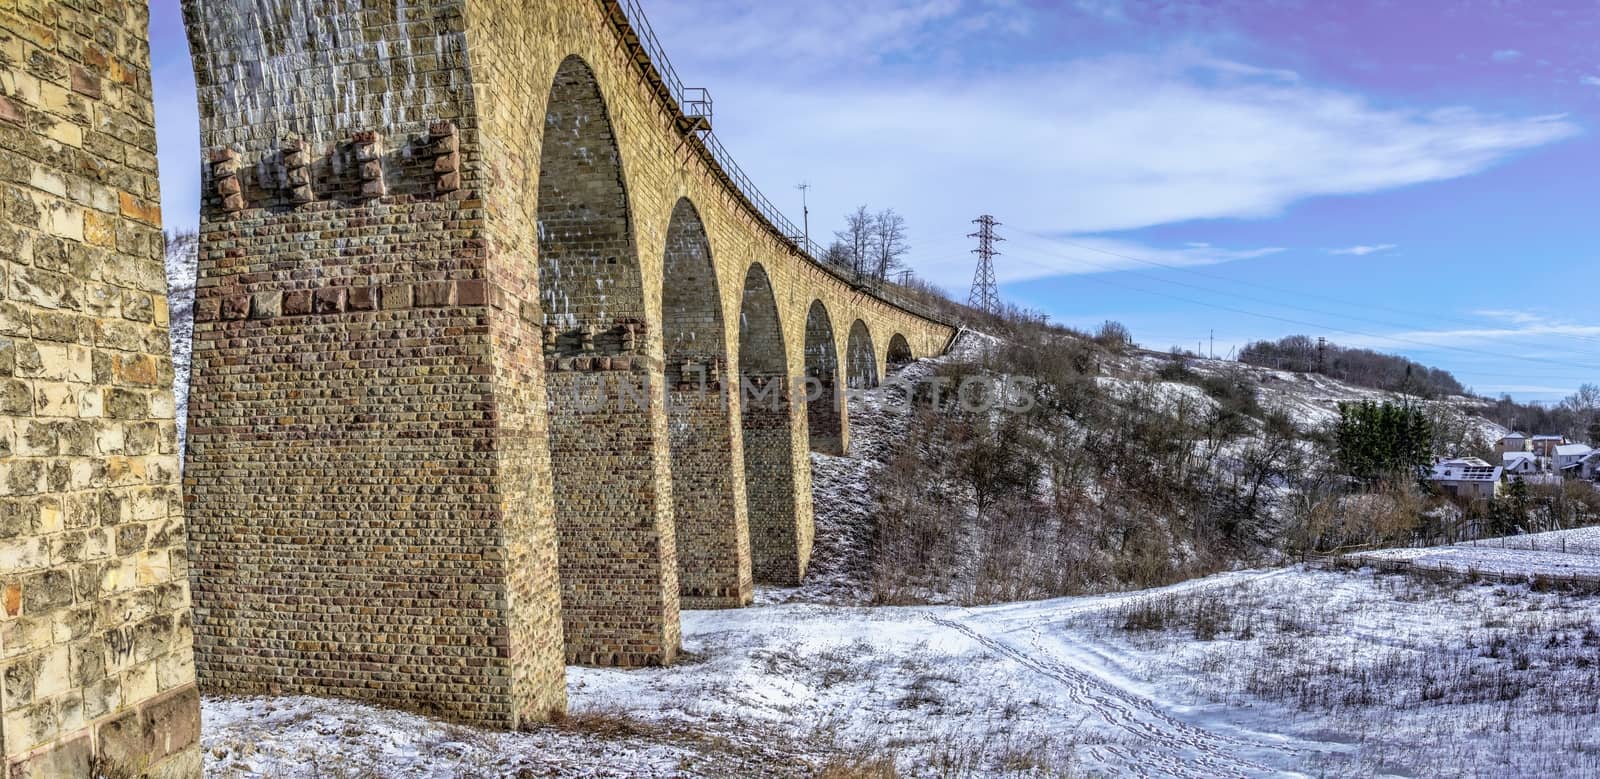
696,106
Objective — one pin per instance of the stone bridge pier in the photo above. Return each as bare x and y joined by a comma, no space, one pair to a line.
96,669
495,365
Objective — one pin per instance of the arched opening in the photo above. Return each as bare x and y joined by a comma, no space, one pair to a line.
861,358
775,461
899,352
708,504
824,411
608,442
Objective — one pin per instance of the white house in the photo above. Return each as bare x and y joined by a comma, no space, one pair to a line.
1570,455
1466,477
1519,463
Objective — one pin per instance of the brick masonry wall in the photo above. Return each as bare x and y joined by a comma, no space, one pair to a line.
367,473
862,363
95,661
826,412
777,465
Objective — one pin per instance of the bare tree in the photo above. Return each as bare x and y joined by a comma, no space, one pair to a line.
1584,406
888,244
856,239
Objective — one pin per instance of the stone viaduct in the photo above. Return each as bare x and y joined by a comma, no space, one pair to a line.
495,358
434,233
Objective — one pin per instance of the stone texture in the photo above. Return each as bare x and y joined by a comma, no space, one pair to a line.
95,624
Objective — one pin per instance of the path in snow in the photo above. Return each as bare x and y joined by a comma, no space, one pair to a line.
1164,743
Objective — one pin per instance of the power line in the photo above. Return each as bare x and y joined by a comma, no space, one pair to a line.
1304,323
1279,304
1268,288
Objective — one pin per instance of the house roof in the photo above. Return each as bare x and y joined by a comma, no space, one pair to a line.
1514,434
1464,470
1549,438
1570,450
1511,458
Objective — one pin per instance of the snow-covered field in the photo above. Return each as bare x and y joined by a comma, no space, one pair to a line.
1556,556
1292,671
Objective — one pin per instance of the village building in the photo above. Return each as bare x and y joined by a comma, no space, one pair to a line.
1569,458
1589,466
1545,445
1512,442
1466,477
1519,463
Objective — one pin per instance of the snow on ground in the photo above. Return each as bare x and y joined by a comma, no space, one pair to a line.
311,738
843,503
1410,677
1260,673
1556,555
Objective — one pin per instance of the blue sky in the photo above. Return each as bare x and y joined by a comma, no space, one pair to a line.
1409,176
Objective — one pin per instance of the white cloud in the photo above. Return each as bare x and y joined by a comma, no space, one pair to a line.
1555,336
1096,145
1363,249
1509,315
807,36
1027,256
1506,55
1590,81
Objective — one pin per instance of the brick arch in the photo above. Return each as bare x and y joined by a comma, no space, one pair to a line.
861,358
614,526
708,494
779,547
899,352
825,420
589,281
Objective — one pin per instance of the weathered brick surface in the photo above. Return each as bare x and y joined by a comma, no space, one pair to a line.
710,515
94,600
428,225
862,363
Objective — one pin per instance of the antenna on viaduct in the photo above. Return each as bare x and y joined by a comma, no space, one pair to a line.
985,296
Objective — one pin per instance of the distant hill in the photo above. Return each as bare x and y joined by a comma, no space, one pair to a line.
1361,367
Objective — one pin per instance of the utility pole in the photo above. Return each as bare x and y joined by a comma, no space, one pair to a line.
1322,354
805,211
985,296
1213,344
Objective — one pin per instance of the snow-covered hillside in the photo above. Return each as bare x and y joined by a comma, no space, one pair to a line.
1310,400
182,259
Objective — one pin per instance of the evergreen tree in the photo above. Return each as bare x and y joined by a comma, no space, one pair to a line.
1376,442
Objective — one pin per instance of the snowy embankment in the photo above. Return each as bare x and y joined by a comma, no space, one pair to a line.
1553,558
1288,672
